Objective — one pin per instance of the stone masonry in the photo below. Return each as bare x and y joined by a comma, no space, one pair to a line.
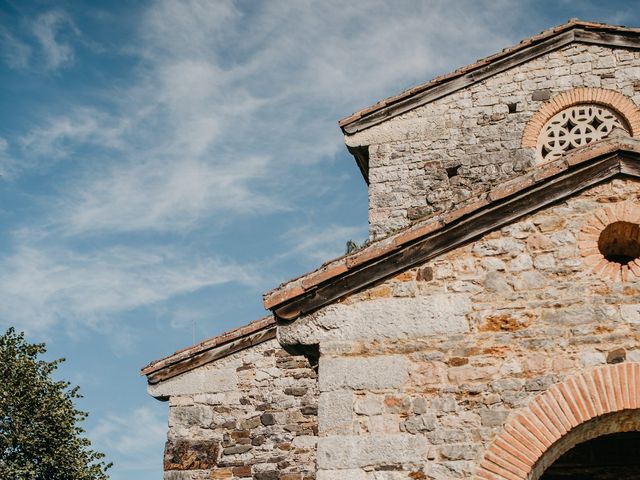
491,325
440,156
250,415
418,374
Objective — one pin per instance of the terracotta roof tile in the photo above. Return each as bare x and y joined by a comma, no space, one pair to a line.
219,340
546,34
377,250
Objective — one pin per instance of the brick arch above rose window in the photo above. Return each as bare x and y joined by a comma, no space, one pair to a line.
517,450
611,99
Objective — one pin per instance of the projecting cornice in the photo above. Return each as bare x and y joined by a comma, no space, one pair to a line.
551,182
212,349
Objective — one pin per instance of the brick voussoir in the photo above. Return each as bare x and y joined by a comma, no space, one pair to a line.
493,467
503,460
556,393
593,393
548,417
552,407
617,388
636,367
514,447
509,459
526,444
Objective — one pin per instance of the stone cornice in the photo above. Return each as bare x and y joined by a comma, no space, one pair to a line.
548,183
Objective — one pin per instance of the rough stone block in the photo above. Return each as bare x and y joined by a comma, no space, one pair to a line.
630,313
388,318
352,474
363,373
190,455
200,380
335,412
347,452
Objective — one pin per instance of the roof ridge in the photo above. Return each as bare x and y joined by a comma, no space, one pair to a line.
545,34
212,342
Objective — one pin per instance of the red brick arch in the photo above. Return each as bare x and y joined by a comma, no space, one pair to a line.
526,437
608,98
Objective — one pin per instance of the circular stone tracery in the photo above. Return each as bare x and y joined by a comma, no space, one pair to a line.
575,127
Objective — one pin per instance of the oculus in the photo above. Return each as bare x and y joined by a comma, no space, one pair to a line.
576,127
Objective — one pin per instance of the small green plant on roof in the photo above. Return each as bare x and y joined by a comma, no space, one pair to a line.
351,247
40,433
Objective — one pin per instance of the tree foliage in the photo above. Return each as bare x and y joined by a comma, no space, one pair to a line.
40,436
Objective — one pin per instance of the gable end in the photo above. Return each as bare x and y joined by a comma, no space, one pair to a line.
548,41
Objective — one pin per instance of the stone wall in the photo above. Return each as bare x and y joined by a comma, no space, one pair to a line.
438,156
418,374
250,415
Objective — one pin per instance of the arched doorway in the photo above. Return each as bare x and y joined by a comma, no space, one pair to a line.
581,409
606,444
609,457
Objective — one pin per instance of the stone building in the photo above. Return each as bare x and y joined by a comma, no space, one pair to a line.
490,328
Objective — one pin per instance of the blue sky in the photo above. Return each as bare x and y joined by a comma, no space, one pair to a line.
164,163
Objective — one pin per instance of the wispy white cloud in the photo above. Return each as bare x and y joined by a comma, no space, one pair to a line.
137,437
226,116
49,29
165,197
44,43
14,52
44,286
61,136
318,243
215,117
8,163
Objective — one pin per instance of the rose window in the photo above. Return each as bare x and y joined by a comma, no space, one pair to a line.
576,127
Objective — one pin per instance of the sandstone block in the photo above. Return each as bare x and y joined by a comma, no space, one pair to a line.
363,373
348,452
630,313
351,474
200,380
389,318
335,412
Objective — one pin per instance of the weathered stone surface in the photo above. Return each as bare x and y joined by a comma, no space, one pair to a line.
363,373
351,474
475,132
186,475
382,318
630,313
535,323
264,428
188,455
345,452
335,412
202,380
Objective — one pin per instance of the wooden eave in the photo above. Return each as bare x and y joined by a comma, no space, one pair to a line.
210,350
547,184
574,31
